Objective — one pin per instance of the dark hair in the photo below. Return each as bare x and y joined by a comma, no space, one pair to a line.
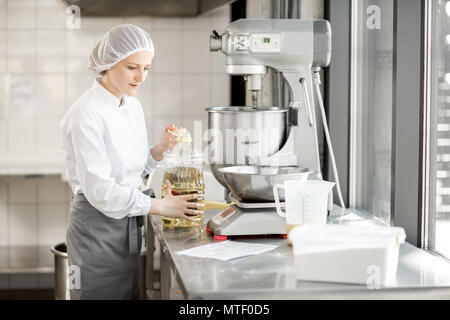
102,73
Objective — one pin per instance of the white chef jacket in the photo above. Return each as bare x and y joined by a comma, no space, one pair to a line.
107,152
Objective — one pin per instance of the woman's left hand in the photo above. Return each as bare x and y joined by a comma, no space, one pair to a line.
167,142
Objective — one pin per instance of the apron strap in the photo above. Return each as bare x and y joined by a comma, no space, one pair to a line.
133,235
140,221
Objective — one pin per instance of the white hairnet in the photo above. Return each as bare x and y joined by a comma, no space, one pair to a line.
117,44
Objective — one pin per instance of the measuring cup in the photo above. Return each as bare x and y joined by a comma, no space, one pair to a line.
306,201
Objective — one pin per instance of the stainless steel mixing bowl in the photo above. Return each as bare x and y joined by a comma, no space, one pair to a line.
255,183
240,133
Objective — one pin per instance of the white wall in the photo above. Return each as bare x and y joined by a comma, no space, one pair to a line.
43,71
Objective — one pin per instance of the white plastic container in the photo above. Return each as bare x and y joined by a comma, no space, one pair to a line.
350,254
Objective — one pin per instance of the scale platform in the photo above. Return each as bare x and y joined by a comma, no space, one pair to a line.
247,219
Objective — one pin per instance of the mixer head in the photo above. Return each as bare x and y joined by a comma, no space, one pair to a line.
286,45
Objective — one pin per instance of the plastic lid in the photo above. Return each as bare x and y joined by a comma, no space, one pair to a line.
316,238
184,153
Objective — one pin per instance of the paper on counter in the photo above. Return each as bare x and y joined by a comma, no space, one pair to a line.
227,250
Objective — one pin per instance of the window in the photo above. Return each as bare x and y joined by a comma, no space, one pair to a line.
372,44
438,171
393,78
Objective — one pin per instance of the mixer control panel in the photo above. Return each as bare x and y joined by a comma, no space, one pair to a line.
265,43
258,43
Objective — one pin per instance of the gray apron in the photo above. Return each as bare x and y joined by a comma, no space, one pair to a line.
104,251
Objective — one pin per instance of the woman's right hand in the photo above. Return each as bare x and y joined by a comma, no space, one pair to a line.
177,206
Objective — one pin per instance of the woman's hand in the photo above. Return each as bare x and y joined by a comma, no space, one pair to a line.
177,206
167,142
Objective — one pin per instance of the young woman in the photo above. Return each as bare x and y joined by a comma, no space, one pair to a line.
107,154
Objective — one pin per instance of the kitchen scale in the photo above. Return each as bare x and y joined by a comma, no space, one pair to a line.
247,218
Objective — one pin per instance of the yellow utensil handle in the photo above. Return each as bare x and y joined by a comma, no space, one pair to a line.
216,205
173,133
180,138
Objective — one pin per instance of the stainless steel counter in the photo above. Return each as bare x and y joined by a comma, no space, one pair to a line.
271,275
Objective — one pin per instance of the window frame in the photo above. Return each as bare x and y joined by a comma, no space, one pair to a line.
337,92
408,126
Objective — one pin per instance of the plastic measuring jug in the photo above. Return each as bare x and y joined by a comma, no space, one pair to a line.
306,201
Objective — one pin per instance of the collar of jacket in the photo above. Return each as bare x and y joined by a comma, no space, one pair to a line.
110,98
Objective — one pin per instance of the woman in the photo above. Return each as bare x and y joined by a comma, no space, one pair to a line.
107,153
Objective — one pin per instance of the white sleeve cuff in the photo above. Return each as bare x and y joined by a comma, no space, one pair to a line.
151,163
143,202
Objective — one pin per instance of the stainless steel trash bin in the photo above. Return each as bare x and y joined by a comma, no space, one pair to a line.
61,269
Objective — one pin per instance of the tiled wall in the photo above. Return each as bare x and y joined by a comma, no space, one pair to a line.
33,217
43,71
